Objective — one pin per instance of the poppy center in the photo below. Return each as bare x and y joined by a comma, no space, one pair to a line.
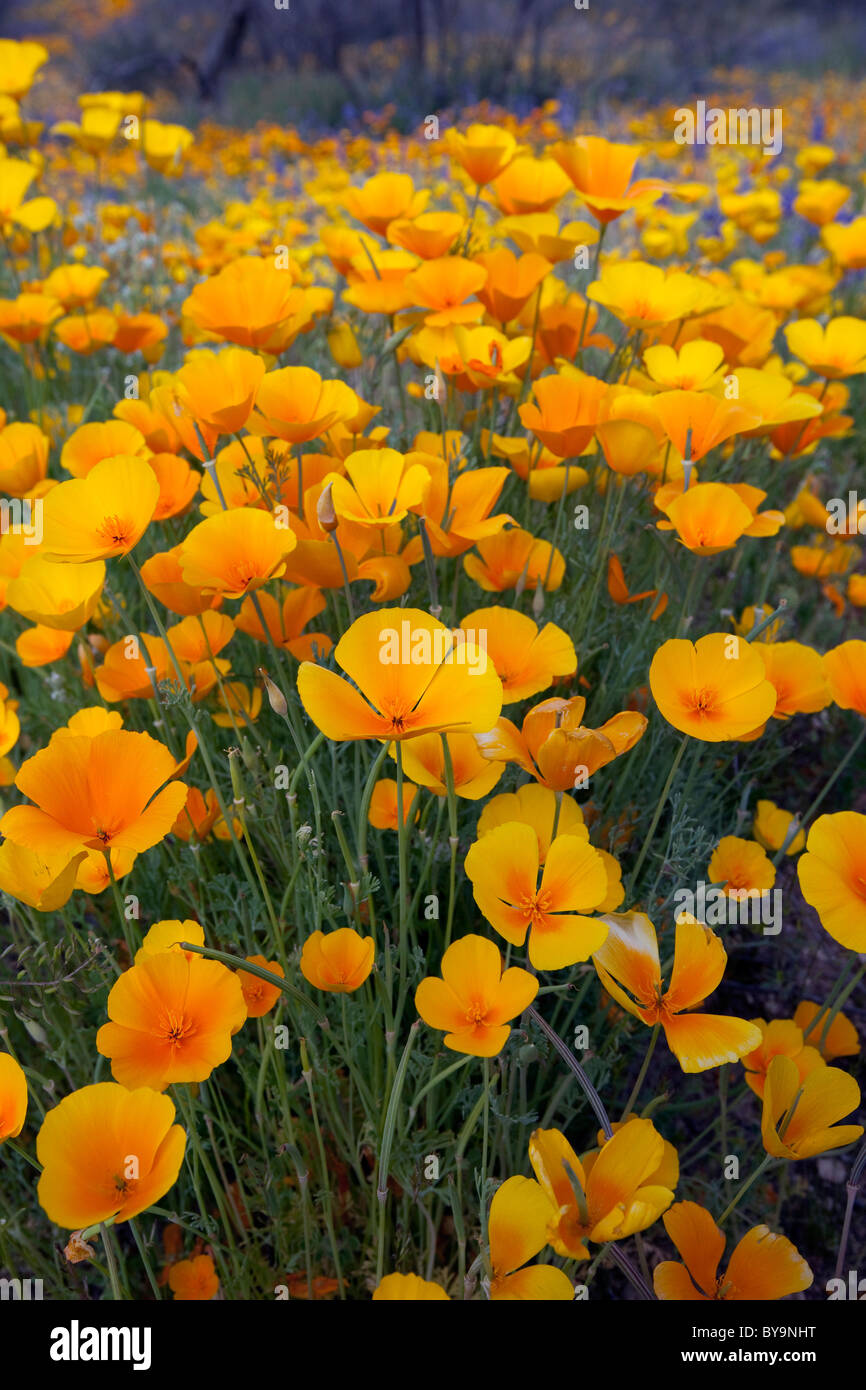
116,530
477,1013
175,1028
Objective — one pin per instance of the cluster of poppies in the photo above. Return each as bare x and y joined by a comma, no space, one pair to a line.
306,477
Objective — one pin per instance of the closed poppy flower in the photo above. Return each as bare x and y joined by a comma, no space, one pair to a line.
107,1153
771,826
172,1019
337,961
483,152
458,510
163,577
700,420
408,1288
377,281
23,459
511,280
86,333
740,866
837,349
845,670
609,1195
629,961
800,1114
762,1266
23,319
384,198
430,235
20,61
407,681
714,689
839,1040
540,233
503,868
102,515
220,387
566,412
474,1001
472,775
384,810
296,404
518,1231
13,1097
846,243
235,552
259,995
249,302
601,172
529,185
832,873
194,1280
527,659
781,1037
100,793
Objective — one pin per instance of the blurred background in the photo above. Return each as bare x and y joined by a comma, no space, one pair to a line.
320,64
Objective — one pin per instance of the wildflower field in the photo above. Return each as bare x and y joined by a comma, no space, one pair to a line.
433,703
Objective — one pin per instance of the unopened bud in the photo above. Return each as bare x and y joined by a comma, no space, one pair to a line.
234,755
277,699
325,510
538,599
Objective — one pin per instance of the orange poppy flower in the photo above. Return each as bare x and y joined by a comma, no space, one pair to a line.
556,748
710,420
23,459
512,556
43,881
259,995
235,552
13,1097
384,198
762,1266
194,1280
609,1194
517,1230
424,761
219,387
443,286
384,812
107,1152
832,873
410,678
800,1114
535,806
100,793
166,936
601,171
845,670
296,404
714,689
527,659
798,676
842,1039
284,625
474,1000
740,865
629,960
503,868
337,961
566,413
172,1019
834,350
484,152
429,236
709,517
249,302
529,185
163,577
102,515
781,1037
511,280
